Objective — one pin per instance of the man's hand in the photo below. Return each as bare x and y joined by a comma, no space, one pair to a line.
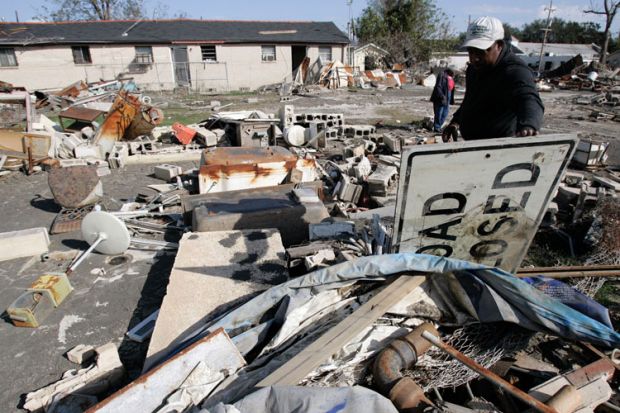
527,131
450,133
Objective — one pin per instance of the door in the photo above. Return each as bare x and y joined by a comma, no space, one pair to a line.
298,55
180,61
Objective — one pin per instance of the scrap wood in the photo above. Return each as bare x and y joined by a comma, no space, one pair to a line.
312,356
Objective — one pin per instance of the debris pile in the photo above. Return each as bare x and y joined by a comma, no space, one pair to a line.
322,263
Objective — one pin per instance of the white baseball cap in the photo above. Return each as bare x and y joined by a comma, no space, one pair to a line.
483,32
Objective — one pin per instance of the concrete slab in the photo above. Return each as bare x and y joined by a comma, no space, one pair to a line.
24,243
211,271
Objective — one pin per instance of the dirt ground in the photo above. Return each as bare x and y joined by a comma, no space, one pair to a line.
110,299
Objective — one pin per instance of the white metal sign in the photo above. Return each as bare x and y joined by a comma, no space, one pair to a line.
480,201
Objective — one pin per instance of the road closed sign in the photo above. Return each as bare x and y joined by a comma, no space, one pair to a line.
480,201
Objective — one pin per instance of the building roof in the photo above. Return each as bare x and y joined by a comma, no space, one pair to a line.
373,46
170,32
557,49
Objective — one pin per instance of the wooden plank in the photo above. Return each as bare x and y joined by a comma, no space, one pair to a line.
294,370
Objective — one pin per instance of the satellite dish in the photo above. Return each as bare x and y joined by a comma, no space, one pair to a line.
105,232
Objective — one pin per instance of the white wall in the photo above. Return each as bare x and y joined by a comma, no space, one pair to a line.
238,67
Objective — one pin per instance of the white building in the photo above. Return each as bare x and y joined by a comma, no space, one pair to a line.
554,54
164,54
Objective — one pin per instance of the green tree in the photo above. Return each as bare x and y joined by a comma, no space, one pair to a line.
67,10
562,32
408,29
609,10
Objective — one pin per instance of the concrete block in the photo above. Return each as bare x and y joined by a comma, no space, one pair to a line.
287,114
327,230
606,182
87,151
356,150
362,168
66,163
81,353
313,261
573,178
24,243
305,195
380,180
212,271
166,171
394,143
203,134
348,191
118,155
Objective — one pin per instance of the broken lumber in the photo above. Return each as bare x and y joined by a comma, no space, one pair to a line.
333,340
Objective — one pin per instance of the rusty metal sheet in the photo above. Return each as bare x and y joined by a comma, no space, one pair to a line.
75,186
73,90
69,219
235,168
81,113
143,122
119,118
479,201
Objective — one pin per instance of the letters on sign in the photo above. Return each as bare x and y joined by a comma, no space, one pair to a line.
491,200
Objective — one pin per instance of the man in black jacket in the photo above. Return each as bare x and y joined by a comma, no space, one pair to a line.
500,98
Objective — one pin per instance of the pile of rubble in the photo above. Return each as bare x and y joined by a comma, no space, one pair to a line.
327,265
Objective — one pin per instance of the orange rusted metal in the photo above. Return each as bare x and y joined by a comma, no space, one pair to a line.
119,118
234,168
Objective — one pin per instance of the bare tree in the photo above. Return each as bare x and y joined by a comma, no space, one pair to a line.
609,11
66,10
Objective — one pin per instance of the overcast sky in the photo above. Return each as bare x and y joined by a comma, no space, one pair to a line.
514,12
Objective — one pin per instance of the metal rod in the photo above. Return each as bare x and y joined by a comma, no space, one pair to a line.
78,261
571,268
573,274
489,375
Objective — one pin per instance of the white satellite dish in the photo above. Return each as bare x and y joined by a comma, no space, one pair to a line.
105,233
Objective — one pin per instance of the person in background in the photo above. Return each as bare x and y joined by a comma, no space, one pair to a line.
442,97
500,99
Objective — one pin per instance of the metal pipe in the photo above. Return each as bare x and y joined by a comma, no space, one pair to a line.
78,261
489,375
400,354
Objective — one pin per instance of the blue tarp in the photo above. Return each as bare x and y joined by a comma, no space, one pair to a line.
494,294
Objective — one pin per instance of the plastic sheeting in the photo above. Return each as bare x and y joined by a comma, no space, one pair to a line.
285,399
280,322
494,295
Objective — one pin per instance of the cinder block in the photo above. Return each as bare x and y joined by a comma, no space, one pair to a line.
87,151
166,172
80,353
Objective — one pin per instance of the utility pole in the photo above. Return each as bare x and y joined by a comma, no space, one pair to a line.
550,10
350,33
16,16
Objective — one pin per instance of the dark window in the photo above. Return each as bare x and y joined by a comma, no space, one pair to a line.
268,53
81,55
7,57
144,54
208,53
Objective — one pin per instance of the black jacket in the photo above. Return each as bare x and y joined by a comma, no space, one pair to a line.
440,91
499,101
